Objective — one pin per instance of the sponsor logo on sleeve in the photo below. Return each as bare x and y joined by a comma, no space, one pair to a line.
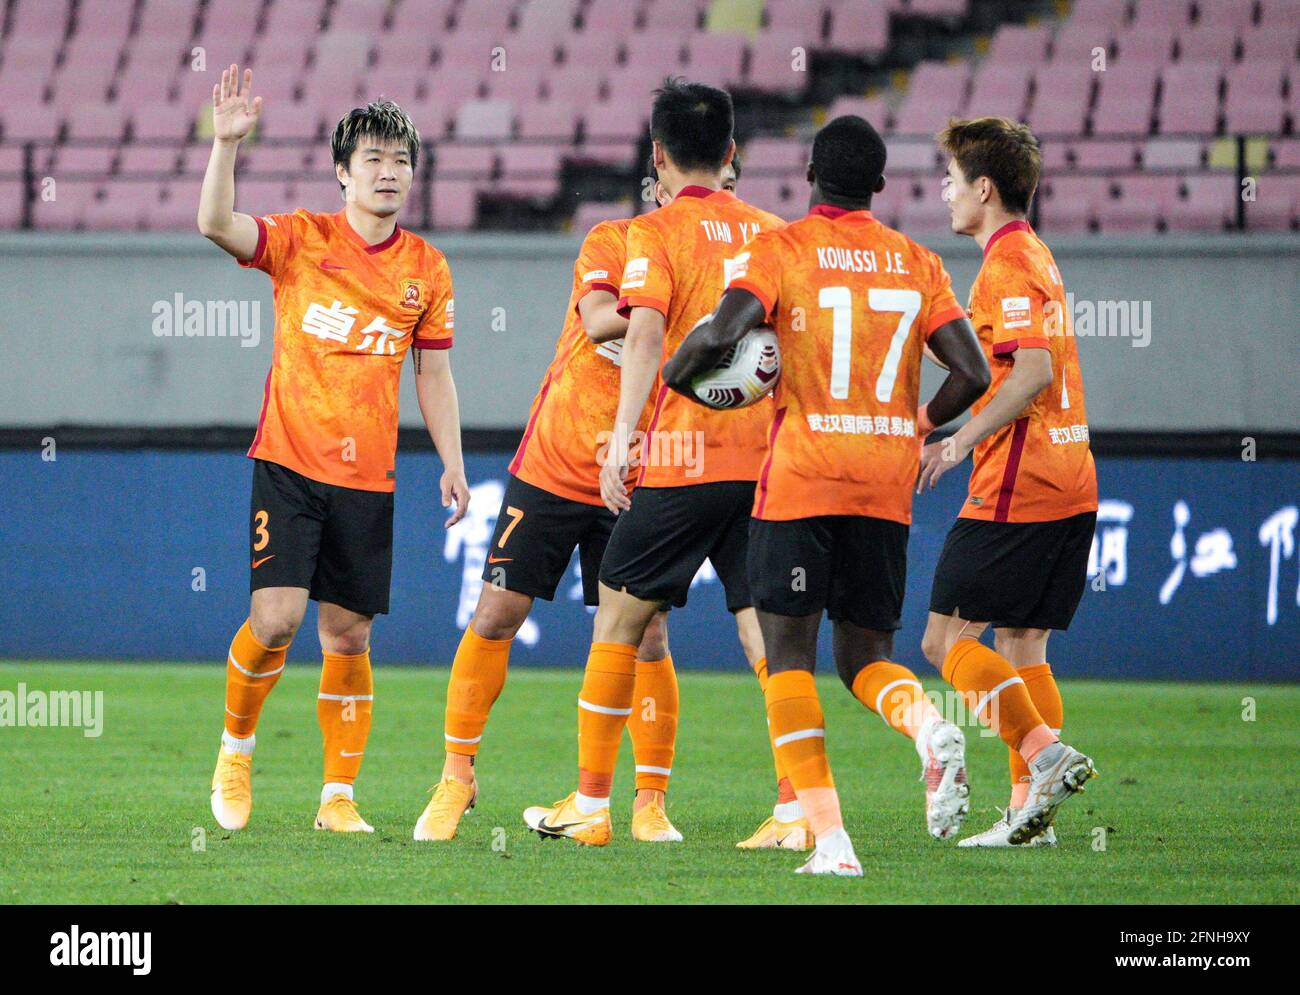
634,275
1015,312
596,274
450,321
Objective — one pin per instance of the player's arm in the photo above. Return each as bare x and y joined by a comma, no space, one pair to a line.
955,347
598,310
234,113
643,348
930,355
1029,376
436,389
737,313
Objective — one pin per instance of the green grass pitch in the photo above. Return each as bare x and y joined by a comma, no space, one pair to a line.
1195,802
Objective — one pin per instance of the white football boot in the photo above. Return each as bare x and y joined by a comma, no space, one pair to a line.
1058,772
998,835
833,855
947,793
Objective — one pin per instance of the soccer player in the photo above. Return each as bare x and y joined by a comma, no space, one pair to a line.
698,467
1017,557
852,303
353,294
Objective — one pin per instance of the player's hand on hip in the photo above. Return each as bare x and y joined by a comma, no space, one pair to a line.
455,489
612,489
234,109
937,459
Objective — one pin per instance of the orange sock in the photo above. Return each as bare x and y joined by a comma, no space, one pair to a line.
604,705
343,708
997,695
653,723
1046,697
784,789
893,692
798,731
478,673
251,671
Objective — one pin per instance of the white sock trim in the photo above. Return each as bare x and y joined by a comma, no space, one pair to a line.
455,739
793,737
345,697
333,788
889,687
997,691
647,769
233,744
248,673
587,805
602,710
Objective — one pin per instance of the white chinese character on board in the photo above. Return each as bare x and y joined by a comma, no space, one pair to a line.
1212,553
1109,552
333,323
1278,534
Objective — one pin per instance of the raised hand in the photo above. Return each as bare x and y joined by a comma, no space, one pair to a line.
234,110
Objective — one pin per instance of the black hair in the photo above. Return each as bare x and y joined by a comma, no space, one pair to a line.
848,158
383,121
693,123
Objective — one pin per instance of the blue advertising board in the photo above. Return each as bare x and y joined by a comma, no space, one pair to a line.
142,554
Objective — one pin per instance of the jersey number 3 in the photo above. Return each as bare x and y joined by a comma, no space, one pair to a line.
906,303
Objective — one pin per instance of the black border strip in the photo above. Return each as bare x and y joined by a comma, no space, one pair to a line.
1224,443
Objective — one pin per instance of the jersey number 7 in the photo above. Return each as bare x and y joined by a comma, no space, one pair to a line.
907,303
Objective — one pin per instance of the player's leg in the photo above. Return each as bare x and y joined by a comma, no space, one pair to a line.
797,729
344,705
285,517
1026,650
533,541
652,727
352,581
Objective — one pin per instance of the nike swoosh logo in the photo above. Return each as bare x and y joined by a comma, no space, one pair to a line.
345,753
544,827
501,559
258,563
326,264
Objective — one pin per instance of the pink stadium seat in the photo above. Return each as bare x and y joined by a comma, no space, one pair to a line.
454,205
173,121
1070,203
299,20
1207,43
68,208
35,121
1104,14
422,18
1077,41
654,50
806,17
117,208
263,197
483,17
1061,99
1254,102
679,16
716,59
1144,200
175,207
531,170
549,119
592,212
1124,98
608,20
547,19
778,155
1286,153
316,194
1278,41
107,23
1152,44
1233,15
912,156
1277,203
1104,153
1155,14
872,109
339,53
1279,13
97,120
1056,156
472,163
84,159
1190,101
578,90
362,18
862,29
938,8
1020,45
1209,204
617,119
1173,153
151,159
773,67
635,85
999,90
935,91
925,217
38,19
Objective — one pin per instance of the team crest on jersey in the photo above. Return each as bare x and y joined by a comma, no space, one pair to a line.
413,294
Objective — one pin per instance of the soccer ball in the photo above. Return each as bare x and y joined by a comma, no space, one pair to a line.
746,374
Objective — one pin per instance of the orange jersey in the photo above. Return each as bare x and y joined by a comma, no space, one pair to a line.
578,400
679,263
345,315
1038,468
852,303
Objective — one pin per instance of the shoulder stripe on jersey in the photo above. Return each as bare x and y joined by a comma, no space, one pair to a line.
1012,468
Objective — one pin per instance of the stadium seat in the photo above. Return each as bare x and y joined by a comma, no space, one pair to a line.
1208,204
1125,94
1190,98
1104,153
1061,99
592,212
872,109
1173,153
1020,45
1071,203
934,90
774,155
773,66
1254,102
1001,90
858,28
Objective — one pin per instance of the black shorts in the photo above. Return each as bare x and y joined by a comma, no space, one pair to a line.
660,543
335,541
534,539
852,567
1014,575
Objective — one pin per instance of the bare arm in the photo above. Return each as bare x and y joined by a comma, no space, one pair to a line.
643,348
436,390
929,354
737,313
598,310
234,113
955,347
1030,375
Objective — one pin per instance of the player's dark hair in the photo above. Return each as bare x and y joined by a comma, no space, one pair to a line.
848,158
693,123
382,121
1001,149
